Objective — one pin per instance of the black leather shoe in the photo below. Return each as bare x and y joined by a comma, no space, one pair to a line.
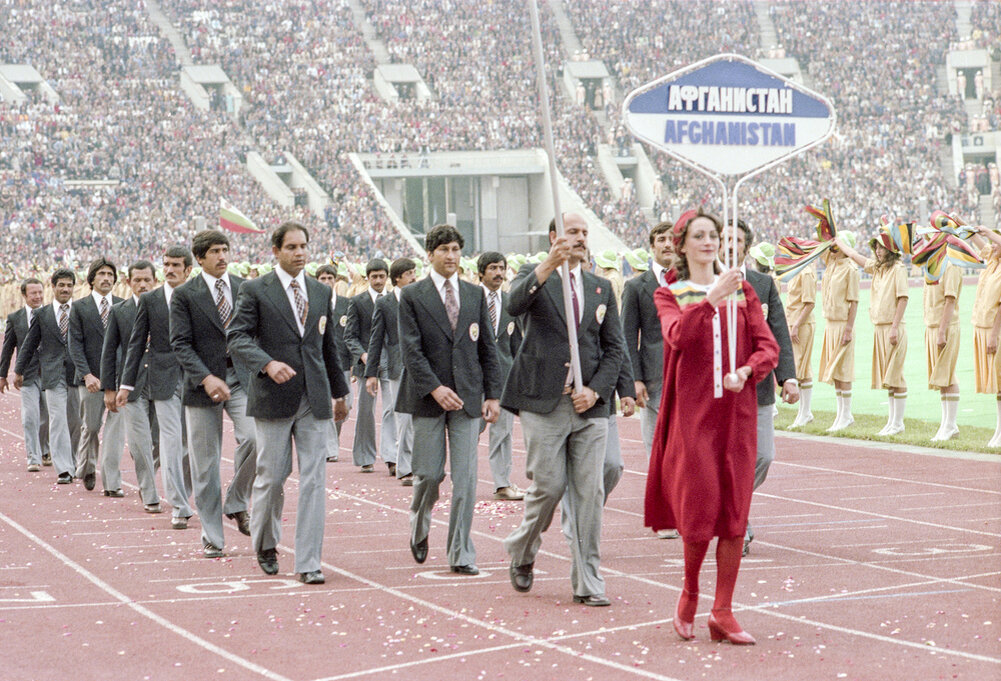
212,551
592,601
314,577
465,570
46,459
117,493
420,550
64,479
242,519
392,469
89,481
268,560
522,576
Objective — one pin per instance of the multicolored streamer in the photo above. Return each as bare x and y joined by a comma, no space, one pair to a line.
794,253
941,248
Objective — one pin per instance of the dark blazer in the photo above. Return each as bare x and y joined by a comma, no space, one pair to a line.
264,329
641,328
85,340
385,334
540,368
465,361
768,294
54,363
507,338
152,322
13,339
116,339
358,330
339,320
198,339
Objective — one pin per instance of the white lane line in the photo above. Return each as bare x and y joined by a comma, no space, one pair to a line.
853,528
890,478
895,496
995,504
140,609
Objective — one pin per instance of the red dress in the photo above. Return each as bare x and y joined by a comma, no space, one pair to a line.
704,449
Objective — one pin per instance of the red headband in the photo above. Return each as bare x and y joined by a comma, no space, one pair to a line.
680,225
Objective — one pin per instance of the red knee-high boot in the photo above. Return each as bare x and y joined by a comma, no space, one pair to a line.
688,600
722,624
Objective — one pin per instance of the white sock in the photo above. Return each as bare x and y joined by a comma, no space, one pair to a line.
996,439
951,404
846,396
898,415
891,415
805,393
840,408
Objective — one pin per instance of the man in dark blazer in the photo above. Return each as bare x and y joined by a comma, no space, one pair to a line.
565,431
386,339
281,332
201,311
327,274
784,374
451,378
149,349
47,336
135,412
88,319
492,267
357,334
34,419
641,328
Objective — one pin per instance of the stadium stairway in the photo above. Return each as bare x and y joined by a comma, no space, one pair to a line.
367,30
766,29
172,35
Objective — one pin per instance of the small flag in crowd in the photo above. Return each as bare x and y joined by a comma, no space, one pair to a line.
233,220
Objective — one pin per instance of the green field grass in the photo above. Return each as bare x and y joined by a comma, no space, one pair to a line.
922,404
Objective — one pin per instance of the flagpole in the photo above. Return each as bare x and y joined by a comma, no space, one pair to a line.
547,129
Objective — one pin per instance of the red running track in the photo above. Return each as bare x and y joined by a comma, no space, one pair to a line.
868,564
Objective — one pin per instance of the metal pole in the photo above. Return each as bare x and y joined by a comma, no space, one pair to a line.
547,129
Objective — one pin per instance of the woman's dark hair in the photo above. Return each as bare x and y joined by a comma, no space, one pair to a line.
888,260
680,263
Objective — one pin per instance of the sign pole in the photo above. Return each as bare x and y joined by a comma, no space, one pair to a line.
547,128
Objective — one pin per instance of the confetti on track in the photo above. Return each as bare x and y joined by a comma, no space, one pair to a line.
868,563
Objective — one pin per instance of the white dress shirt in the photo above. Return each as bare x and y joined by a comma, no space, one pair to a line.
659,273
98,298
227,289
439,283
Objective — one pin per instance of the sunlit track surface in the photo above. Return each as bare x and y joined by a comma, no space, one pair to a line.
868,564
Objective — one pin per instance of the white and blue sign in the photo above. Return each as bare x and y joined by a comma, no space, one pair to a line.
728,115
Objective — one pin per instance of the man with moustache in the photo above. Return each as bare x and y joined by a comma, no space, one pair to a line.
201,311
565,431
89,318
149,349
281,332
357,334
492,267
34,419
47,335
135,412
327,274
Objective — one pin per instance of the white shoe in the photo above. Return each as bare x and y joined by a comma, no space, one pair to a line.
667,534
885,430
944,434
894,429
995,441
799,423
841,425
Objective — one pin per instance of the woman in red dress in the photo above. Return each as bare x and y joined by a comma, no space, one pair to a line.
702,466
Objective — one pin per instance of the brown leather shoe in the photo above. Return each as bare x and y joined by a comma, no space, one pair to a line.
511,493
242,519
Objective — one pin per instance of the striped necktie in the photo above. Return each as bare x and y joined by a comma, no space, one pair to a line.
105,310
225,309
64,319
451,305
492,309
300,302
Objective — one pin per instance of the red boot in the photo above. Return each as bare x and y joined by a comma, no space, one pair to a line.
722,625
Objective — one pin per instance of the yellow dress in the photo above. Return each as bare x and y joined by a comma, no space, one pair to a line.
838,290
802,292
986,368
888,286
942,363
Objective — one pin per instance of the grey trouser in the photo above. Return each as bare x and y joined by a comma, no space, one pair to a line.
63,406
31,421
766,451
611,473
500,444
565,454
205,446
429,472
174,463
141,447
334,442
364,449
274,464
404,435
89,447
112,447
648,419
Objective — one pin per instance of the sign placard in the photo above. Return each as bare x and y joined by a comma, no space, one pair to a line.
728,115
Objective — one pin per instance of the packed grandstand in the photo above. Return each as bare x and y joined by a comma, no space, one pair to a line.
123,161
